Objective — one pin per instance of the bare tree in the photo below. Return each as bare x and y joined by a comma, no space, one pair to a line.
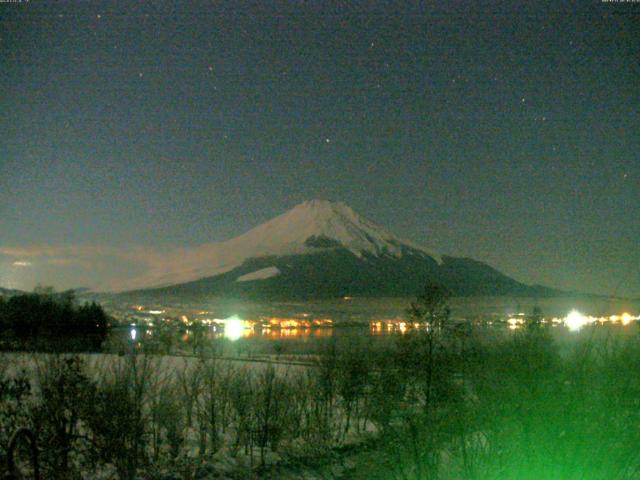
64,389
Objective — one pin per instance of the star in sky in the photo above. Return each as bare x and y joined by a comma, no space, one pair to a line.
271,93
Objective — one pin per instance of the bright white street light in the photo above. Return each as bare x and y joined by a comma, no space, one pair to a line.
575,321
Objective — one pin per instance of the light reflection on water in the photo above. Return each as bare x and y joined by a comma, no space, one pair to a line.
371,318
305,341
271,334
572,323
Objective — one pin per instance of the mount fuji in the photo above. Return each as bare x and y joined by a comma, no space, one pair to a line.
323,249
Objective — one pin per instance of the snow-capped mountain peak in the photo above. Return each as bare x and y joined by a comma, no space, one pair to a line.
309,227
315,223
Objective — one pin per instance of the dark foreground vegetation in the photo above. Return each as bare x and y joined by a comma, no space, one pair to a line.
50,321
443,401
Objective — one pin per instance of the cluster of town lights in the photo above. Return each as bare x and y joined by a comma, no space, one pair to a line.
393,326
575,320
234,328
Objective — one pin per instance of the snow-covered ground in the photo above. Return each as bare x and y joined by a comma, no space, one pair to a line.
14,362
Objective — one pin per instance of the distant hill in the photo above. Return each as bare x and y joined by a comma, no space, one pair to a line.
9,292
325,249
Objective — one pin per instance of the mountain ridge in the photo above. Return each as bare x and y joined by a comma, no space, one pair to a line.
325,249
294,232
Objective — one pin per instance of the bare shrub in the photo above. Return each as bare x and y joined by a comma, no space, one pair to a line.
15,406
65,391
120,421
270,409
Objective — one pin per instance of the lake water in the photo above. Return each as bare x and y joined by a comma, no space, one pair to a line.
257,326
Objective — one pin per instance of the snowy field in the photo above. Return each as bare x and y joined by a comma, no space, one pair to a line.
165,365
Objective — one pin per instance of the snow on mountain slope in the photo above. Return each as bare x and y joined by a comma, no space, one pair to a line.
306,228
261,274
288,233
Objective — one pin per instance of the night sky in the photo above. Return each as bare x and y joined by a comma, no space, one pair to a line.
502,131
